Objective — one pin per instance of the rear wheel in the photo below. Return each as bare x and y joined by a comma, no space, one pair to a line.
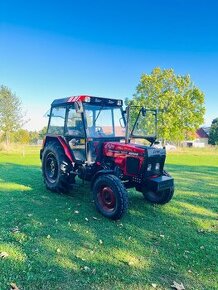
110,196
56,168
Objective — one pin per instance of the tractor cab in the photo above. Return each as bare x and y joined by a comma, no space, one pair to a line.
92,138
84,122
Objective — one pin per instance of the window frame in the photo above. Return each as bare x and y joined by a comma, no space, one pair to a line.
68,107
112,123
50,117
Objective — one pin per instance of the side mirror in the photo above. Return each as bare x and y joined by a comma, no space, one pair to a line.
47,114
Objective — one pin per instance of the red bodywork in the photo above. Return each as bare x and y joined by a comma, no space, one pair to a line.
77,98
63,143
66,148
120,151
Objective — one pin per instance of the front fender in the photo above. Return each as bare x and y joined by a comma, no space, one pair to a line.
99,173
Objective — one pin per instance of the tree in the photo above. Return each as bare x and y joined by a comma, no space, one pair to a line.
11,116
22,136
42,132
179,101
213,133
34,136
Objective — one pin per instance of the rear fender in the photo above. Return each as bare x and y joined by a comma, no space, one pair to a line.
63,144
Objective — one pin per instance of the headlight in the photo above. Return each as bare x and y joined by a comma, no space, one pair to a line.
149,167
157,166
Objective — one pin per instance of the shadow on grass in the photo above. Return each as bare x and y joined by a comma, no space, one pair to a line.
152,244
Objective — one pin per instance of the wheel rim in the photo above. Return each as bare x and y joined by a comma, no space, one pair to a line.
107,199
51,168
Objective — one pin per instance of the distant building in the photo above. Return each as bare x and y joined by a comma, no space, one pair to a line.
201,138
207,130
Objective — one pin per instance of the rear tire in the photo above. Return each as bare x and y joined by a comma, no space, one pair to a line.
56,168
110,196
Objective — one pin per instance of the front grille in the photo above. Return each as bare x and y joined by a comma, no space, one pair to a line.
132,165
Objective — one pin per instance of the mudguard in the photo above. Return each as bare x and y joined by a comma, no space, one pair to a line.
63,144
99,173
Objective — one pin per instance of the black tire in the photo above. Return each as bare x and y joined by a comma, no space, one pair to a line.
110,196
56,168
160,197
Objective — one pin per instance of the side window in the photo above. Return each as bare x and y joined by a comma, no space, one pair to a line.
56,125
75,125
104,122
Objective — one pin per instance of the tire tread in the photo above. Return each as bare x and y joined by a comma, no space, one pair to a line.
113,181
62,184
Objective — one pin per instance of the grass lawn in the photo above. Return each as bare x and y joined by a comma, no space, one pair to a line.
53,241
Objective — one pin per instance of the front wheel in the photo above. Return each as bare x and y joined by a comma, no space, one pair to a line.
159,197
110,196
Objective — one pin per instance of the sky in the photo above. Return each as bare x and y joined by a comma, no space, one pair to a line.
55,49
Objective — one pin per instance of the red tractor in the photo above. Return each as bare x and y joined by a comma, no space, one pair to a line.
95,139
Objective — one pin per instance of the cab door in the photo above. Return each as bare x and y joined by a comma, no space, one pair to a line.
75,134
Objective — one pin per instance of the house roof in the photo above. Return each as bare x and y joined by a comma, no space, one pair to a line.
206,129
201,133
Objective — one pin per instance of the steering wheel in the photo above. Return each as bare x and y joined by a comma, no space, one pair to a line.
99,131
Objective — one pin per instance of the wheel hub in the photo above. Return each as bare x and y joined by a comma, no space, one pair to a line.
107,198
52,165
51,168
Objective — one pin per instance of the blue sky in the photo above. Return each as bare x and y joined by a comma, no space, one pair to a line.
56,49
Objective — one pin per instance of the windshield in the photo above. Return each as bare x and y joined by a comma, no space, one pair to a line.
104,121
142,123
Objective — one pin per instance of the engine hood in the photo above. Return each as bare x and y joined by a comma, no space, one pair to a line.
131,149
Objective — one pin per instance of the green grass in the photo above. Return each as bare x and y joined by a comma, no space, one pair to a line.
57,248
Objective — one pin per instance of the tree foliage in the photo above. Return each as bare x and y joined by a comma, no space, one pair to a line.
22,136
179,101
213,134
34,137
11,116
42,132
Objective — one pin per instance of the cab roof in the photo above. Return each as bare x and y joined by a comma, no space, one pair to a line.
88,99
